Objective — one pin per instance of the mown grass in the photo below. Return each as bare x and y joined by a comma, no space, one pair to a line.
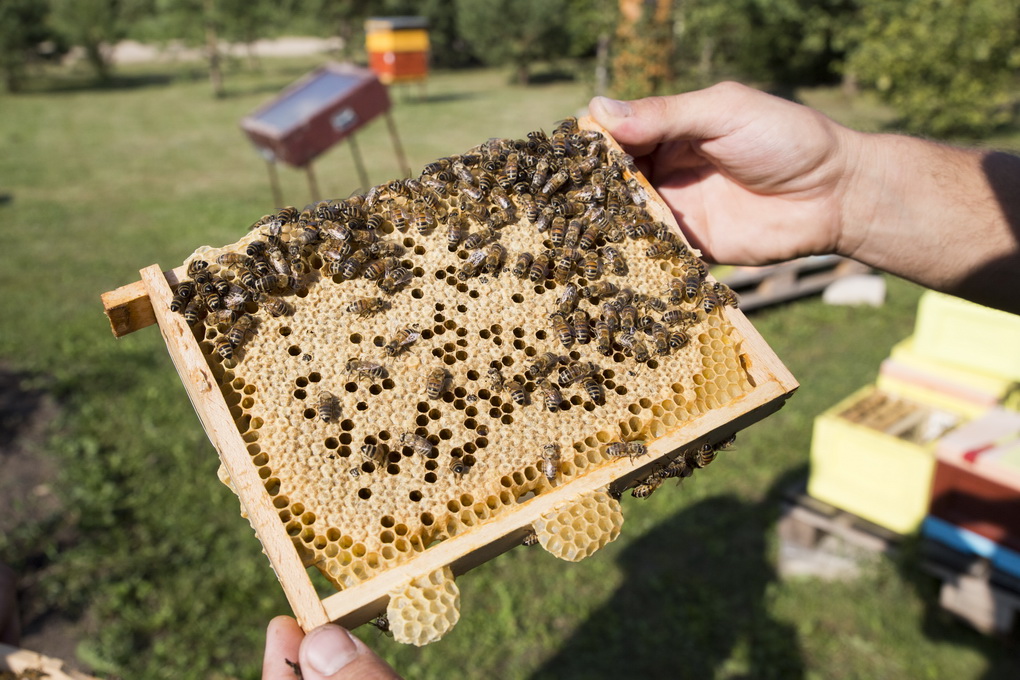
169,580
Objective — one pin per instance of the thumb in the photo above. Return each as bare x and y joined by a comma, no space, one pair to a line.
642,124
332,653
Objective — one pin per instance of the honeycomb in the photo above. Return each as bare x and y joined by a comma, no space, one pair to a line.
413,386
576,529
425,609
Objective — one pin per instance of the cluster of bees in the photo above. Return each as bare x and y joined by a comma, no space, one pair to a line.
569,187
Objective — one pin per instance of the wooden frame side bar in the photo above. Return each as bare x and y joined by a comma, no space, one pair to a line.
219,425
128,308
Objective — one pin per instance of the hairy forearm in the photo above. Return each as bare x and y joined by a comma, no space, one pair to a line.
944,217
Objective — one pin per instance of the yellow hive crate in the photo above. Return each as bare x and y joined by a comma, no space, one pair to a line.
860,464
415,40
966,334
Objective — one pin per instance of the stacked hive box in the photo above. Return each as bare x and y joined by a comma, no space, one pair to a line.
398,48
938,378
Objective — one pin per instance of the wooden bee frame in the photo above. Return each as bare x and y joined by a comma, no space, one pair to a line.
135,306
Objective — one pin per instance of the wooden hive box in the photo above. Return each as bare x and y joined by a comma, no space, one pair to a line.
391,485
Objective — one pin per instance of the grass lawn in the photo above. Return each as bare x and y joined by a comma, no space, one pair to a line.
141,545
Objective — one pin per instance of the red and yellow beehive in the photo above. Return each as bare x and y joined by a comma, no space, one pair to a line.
398,48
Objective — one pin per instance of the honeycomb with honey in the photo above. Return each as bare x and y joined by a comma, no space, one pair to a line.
406,364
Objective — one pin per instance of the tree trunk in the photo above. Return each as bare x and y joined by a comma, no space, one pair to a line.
602,64
97,60
523,75
213,51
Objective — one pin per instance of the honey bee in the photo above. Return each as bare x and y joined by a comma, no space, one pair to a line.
676,316
582,326
540,176
628,319
637,230
462,173
456,229
273,282
725,294
420,445
369,369
224,348
472,265
196,266
542,366
401,341
567,301
185,291
555,182
386,248
637,347
353,265
660,250
494,255
192,312
540,268
574,372
593,388
398,217
573,234
545,219
435,382
523,264
660,336
702,456
231,259
375,269
558,233
562,329
604,336
709,299
551,396
221,316
629,449
458,467
601,289
647,487
329,407
367,306
517,393
592,265
479,238
369,451
395,279
692,283
530,539
560,144
496,378
423,219
551,461
241,329
565,264
590,237
678,339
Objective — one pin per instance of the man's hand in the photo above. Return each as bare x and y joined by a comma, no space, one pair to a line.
327,653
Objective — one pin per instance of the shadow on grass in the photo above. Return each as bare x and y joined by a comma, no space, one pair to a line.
70,84
693,602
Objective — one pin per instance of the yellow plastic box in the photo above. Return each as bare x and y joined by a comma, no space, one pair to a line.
966,334
881,477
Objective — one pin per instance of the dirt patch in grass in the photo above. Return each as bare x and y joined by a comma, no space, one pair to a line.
33,519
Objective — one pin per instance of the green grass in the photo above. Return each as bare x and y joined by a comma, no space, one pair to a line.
168,579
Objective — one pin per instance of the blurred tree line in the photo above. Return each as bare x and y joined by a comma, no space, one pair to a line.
947,66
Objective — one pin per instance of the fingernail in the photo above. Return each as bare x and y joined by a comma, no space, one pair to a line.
329,648
612,107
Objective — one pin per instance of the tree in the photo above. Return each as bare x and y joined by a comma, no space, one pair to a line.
21,29
947,66
515,33
644,48
93,25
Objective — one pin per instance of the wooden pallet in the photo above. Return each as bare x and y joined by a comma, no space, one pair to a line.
804,521
973,590
763,286
30,664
